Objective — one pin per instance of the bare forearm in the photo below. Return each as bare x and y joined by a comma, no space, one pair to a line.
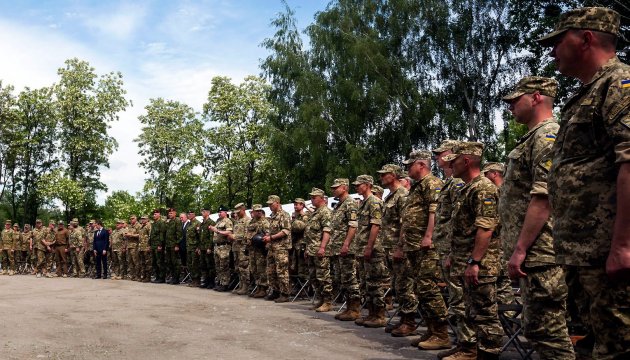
482,241
325,240
374,229
430,226
535,217
350,236
621,230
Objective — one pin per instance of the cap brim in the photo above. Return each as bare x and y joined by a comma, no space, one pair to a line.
384,171
512,96
450,157
550,39
439,150
269,202
408,161
357,182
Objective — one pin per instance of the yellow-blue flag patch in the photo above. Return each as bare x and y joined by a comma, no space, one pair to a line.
625,83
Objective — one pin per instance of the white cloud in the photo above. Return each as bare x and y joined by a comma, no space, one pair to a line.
120,23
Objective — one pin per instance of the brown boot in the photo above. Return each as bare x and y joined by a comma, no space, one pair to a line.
352,312
439,339
260,293
389,302
462,353
391,327
407,327
319,303
282,299
243,290
361,320
325,307
378,320
425,336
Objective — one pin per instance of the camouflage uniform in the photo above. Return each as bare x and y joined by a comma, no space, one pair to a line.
50,255
206,264
157,239
318,223
132,238
8,259
89,253
344,217
298,223
222,251
172,236
77,251
257,256
25,238
592,143
240,251
144,251
278,252
117,243
193,249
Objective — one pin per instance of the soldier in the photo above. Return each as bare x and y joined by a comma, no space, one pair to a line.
172,237
241,255
132,238
589,178
40,245
475,251
317,254
370,252
62,240
193,250
279,242
258,226
344,228
205,242
22,245
526,224
298,224
223,229
8,257
158,246
77,248
89,253
117,242
378,192
406,181
144,250
51,257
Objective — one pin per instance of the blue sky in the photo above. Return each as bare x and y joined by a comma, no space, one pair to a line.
168,49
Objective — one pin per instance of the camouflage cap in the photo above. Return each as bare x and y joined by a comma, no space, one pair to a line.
391,169
339,182
8,222
586,18
51,222
493,166
299,201
403,174
92,222
38,221
16,225
120,221
239,206
60,222
145,217
317,192
531,84
363,179
272,199
416,155
445,145
74,220
257,207
377,189
465,148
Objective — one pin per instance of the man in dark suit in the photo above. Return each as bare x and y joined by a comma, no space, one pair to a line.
101,243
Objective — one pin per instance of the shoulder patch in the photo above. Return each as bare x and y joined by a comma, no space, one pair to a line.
625,83
438,190
547,164
550,137
459,184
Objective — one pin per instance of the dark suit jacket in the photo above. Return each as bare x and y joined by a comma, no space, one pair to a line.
101,240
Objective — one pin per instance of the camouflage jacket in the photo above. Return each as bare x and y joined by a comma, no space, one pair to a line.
38,236
256,226
240,229
476,207
297,236
89,234
172,232
76,237
593,140
370,213
421,201
131,236
117,240
224,224
526,175
205,234
393,206
280,222
144,232
344,217
192,235
441,238
319,222
158,233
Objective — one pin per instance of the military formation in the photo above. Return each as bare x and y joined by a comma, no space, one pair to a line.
554,218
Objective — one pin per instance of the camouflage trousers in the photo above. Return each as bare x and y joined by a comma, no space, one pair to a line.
544,293
8,260
421,277
241,263
482,313
298,265
319,275
609,310
144,265
192,262
132,257
173,261
397,269
117,263
222,263
258,266
505,293
76,261
278,269
457,308
206,265
348,270
40,267
376,274
62,260
157,263
335,273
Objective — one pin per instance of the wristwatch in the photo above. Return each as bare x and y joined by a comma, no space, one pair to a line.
472,261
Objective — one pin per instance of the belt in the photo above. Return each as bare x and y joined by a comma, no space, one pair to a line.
222,243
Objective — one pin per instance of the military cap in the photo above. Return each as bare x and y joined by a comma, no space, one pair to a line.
156,211
317,192
51,222
120,221
133,216
586,18
299,201
60,222
223,208
146,217
363,179
391,168
257,207
172,210
205,208
8,222
239,205
38,221
272,199
445,146
403,174
16,225
416,155
377,190
493,166
339,182
465,148
74,220
92,222
530,84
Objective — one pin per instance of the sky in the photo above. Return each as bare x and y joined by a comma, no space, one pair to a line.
169,49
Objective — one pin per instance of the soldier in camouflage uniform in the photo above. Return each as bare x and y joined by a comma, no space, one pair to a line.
240,251
589,178
193,249
51,256
298,224
370,252
25,245
7,256
89,253
144,250
132,238
257,254
344,228
172,236
526,224
77,248
317,254
158,246
388,241
223,230
117,242
39,238
17,246
206,244
475,251
278,243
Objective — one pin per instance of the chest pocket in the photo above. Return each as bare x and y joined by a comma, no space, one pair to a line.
517,166
580,136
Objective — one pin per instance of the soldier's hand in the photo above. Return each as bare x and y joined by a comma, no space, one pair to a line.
426,243
398,255
208,251
447,262
267,238
618,264
48,248
197,251
104,252
514,265
344,251
472,274
321,253
77,249
159,248
66,250
367,254
95,253
176,248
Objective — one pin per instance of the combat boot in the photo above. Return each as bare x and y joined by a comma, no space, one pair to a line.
352,312
378,320
462,353
425,336
407,326
361,320
273,295
282,299
439,338
243,291
236,289
325,307
389,302
261,292
319,303
221,288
